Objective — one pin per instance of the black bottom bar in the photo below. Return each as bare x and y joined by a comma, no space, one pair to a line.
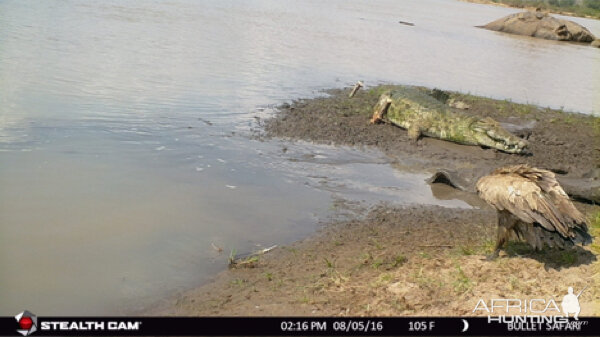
301,326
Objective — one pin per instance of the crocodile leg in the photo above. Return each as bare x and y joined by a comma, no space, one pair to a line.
414,132
381,108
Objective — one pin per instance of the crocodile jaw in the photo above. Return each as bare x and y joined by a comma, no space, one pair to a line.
489,133
502,142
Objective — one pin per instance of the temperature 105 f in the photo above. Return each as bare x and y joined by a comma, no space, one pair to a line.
420,325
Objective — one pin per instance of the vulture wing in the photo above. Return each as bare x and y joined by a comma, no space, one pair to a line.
534,196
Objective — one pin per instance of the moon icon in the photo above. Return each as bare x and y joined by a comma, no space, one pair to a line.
466,327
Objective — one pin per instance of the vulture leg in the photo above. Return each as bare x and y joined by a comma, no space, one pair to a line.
506,222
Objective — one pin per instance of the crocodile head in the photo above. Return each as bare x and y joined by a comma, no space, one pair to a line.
489,133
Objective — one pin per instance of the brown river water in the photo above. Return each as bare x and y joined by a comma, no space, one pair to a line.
125,130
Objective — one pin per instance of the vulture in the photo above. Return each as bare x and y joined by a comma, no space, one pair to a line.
532,207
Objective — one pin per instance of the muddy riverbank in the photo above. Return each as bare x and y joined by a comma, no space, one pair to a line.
566,143
413,260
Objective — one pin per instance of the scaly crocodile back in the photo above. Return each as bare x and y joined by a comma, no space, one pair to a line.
412,107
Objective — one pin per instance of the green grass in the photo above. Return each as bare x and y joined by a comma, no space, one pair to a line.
481,248
585,8
524,109
238,282
513,283
596,124
567,257
382,281
377,263
515,248
399,260
569,119
304,299
385,278
462,282
595,221
377,245
232,254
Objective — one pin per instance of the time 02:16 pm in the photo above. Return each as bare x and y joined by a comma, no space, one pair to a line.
303,326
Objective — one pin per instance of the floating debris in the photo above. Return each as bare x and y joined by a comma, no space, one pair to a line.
215,247
207,122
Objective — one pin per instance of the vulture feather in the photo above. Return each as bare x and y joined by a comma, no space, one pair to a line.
532,207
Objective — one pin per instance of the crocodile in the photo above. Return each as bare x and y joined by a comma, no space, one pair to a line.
424,115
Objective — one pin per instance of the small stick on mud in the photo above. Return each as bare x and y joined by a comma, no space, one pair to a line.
445,246
215,247
247,260
266,250
380,109
357,86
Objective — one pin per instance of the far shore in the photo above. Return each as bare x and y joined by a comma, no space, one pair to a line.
393,260
588,13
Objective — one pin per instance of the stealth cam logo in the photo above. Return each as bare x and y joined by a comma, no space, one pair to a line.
27,323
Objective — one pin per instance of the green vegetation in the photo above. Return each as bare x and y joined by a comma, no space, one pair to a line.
595,122
482,248
585,8
377,263
399,260
248,262
239,282
567,257
462,282
232,254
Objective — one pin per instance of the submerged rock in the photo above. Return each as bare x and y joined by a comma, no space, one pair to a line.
541,25
584,189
